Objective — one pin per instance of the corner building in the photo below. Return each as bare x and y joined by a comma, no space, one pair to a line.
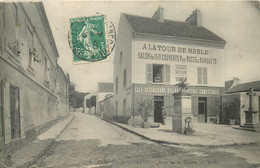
154,54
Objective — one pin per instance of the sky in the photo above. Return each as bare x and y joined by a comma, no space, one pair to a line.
237,22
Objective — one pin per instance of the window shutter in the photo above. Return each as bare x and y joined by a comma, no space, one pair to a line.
167,73
205,76
199,76
149,76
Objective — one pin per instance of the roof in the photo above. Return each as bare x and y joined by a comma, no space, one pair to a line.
170,28
245,87
105,87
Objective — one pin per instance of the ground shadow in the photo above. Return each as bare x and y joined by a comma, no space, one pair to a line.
165,130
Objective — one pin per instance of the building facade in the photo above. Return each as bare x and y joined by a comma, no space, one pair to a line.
103,89
237,97
153,55
34,89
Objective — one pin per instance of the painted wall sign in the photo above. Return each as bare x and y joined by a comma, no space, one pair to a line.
175,53
145,89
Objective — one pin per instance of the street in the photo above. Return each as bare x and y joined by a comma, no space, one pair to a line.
91,142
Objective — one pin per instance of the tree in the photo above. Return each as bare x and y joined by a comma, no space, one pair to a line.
93,101
89,104
144,110
76,98
231,109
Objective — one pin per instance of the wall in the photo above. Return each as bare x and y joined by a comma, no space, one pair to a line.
100,97
24,27
143,46
109,109
62,85
124,45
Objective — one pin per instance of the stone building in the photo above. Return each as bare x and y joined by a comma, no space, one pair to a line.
153,54
109,110
33,88
103,89
237,94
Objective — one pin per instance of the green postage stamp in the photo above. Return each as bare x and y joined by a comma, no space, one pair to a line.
91,38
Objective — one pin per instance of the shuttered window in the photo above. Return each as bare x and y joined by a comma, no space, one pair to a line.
158,73
167,74
149,75
202,75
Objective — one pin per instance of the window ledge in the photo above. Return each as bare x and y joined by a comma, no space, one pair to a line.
158,83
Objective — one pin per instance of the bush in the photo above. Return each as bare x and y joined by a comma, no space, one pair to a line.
137,121
121,119
231,110
144,109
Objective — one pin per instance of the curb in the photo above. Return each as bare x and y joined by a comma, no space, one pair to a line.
35,158
173,143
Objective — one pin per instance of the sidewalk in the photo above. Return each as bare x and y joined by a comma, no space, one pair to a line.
32,151
206,134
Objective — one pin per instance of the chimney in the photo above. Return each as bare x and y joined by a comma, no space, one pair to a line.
195,18
232,83
158,15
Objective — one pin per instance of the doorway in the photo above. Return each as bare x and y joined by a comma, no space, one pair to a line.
202,110
158,104
15,111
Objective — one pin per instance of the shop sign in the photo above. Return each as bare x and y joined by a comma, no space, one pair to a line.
172,89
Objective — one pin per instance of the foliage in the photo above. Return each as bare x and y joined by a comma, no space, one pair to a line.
231,109
93,100
144,109
76,98
88,103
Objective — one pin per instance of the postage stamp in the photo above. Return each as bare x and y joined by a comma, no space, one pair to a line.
91,38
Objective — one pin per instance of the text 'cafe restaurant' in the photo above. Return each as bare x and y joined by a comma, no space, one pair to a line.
154,54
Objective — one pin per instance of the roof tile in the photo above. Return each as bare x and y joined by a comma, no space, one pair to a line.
170,28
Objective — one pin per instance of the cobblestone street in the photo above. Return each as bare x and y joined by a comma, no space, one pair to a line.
91,142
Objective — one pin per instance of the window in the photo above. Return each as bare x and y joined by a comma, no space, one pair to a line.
121,57
202,76
46,70
30,45
116,84
124,81
15,112
158,73
11,20
124,106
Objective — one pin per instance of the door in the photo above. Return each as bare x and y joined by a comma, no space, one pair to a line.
158,104
15,112
202,110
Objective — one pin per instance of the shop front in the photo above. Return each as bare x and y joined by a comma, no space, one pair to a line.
205,101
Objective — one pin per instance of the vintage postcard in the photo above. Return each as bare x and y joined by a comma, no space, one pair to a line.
129,84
